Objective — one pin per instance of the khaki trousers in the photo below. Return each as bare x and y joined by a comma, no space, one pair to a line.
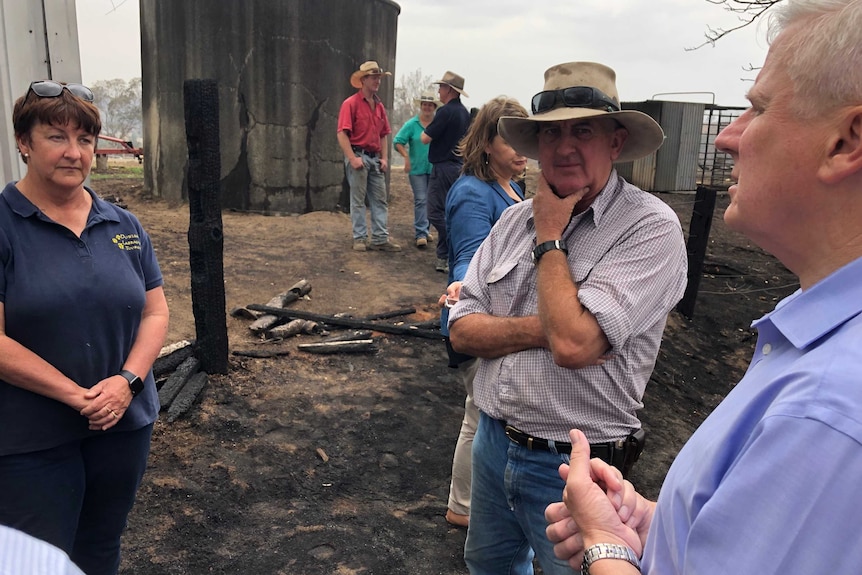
462,462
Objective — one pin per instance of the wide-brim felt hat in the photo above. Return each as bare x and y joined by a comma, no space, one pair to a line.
645,136
454,81
369,68
427,96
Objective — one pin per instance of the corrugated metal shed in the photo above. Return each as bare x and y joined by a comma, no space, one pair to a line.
674,167
38,41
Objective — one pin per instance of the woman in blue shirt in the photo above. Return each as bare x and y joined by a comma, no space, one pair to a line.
473,206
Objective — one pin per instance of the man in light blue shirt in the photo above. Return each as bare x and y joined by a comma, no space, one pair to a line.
21,554
769,482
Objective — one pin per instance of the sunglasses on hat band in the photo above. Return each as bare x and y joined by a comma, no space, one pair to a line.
574,97
51,89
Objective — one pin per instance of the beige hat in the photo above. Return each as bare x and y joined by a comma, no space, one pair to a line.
577,90
427,96
369,68
454,81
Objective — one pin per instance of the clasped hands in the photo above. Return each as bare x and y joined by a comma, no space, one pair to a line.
598,506
107,402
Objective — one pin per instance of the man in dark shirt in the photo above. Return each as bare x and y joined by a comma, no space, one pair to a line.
443,134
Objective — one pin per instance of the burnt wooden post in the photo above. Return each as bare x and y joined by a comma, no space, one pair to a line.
698,238
206,237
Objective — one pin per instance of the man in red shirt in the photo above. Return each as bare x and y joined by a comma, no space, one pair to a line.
362,130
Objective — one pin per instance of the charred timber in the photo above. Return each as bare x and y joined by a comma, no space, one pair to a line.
177,380
187,396
348,322
282,300
355,346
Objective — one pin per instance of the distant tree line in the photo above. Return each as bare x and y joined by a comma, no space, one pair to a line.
119,103
407,89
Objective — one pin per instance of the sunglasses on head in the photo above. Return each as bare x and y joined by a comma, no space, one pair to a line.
51,89
574,97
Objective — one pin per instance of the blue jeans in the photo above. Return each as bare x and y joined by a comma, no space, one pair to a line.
512,485
419,184
368,181
77,496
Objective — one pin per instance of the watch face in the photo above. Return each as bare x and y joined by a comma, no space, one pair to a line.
136,385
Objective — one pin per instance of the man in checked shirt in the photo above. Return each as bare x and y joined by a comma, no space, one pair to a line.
565,303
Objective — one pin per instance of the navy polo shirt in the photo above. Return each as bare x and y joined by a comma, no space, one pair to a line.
449,125
77,303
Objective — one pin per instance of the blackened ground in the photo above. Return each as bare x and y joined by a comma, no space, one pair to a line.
308,464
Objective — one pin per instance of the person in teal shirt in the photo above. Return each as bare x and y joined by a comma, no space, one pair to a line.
416,165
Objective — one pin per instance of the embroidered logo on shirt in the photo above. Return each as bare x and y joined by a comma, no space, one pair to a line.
127,242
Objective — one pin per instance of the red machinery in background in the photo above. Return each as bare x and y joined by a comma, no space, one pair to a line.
109,145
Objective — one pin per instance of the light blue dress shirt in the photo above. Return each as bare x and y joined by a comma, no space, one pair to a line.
21,554
770,482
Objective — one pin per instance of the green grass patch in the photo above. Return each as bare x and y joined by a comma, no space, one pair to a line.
125,172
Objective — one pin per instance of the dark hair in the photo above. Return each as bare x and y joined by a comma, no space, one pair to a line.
61,110
482,132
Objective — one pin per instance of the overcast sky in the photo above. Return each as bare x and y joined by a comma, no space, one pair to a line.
504,46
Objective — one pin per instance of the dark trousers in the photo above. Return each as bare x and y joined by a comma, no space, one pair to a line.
443,175
77,496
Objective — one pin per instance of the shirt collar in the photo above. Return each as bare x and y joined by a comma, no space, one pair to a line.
25,208
805,316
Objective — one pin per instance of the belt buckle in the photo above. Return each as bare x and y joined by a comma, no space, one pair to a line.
508,430
510,433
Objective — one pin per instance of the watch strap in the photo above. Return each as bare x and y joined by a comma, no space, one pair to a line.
136,384
546,247
608,551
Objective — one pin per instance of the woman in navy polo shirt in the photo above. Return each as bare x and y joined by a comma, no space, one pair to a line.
82,318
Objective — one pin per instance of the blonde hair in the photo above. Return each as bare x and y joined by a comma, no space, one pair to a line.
482,132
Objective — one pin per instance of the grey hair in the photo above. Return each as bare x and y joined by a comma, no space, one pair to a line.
823,55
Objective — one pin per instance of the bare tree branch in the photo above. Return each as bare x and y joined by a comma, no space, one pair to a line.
748,11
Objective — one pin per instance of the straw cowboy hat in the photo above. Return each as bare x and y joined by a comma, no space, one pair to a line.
578,90
454,81
369,68
427,96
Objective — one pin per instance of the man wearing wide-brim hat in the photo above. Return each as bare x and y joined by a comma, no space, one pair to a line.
362,130
565,303
443,134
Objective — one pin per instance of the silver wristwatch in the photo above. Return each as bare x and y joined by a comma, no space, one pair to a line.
608,551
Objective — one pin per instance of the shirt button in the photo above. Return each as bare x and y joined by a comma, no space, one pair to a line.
767,347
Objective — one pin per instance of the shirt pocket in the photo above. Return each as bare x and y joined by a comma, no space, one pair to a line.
502,286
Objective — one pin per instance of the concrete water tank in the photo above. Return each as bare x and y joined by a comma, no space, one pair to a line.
283,69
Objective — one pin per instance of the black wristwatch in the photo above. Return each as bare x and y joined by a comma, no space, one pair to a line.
545,247
136,384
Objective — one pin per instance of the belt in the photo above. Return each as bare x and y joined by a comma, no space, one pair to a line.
604,451
368,153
